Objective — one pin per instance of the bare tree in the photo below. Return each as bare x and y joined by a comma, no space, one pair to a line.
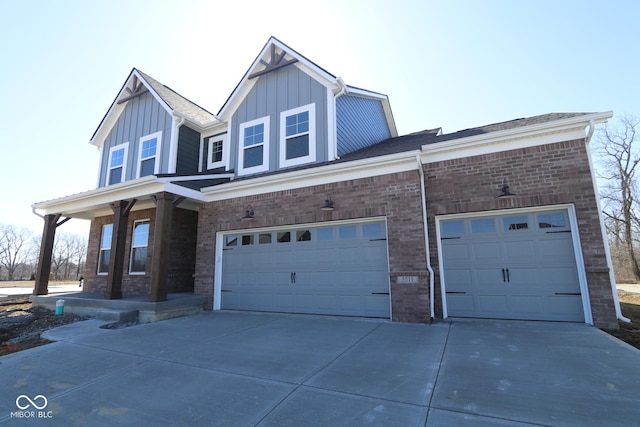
14,248
619,151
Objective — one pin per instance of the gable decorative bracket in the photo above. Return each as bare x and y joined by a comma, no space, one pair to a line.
138,89
275,62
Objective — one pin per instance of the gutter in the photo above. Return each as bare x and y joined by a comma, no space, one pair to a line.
607,251
426,238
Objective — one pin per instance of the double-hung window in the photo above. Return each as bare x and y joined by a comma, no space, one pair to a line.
216,146
148,161
139,243
117,163
254,146
297,136
105,249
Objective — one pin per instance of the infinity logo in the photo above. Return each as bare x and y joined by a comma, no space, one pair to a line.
31,402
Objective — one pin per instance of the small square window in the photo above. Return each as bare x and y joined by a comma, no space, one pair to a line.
264,238
373,231
551,220
452,228
231,240
483,225
348,232
303,235
516,223
247,240
325,233
284,236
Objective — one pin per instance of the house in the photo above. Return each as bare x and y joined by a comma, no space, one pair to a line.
299,196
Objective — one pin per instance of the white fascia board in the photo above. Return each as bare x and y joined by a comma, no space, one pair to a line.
94,199
365,168
510,139
195,177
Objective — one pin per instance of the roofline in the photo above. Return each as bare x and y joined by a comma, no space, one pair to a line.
535,134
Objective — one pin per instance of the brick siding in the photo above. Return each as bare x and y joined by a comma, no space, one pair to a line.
545,175
394,196
182,254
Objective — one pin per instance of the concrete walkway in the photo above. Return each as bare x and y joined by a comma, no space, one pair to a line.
248,369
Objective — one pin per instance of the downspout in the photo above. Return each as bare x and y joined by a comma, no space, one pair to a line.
36,213
426,238
612,277
173,150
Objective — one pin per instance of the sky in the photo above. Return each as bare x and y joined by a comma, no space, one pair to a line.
453,64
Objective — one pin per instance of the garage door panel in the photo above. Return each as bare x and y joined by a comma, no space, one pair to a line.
336,270
487,251
524,248
523,269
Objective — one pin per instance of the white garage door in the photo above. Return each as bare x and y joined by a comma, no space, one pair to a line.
519,266
338,269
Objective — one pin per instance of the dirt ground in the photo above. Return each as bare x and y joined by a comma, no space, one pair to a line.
630,306
21,324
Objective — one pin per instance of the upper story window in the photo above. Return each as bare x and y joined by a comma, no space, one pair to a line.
117,163
216,146
254,146
105,249
297,136
148,163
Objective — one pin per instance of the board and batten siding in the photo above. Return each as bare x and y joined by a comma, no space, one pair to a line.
142,116
188,151
272,94
360,123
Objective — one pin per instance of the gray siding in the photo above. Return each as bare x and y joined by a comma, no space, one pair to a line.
360,123
188,151
142,116
273,93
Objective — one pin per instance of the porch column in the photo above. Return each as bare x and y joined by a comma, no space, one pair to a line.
121,211
161,239
43,269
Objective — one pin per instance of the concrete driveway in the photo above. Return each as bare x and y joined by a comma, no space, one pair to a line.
246,369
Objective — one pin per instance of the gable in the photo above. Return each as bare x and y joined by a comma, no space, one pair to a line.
140,117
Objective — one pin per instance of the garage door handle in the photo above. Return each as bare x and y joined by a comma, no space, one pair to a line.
293,278
568,293
504,276
379,293
454,292
508,279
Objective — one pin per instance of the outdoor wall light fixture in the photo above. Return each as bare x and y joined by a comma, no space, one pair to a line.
248,216
328,204
504,191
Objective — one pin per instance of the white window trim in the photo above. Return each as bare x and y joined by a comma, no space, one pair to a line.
284,162
156,166
124,145
133,230
225,146
265,151
100,249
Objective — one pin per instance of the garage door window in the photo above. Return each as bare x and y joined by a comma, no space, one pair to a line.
247,240
516,223
284,237
264,239
325,233
452,228
303,235
373,231
551,220
483,226
348,232
231,241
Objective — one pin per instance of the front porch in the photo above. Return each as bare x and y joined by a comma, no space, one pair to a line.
130,308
